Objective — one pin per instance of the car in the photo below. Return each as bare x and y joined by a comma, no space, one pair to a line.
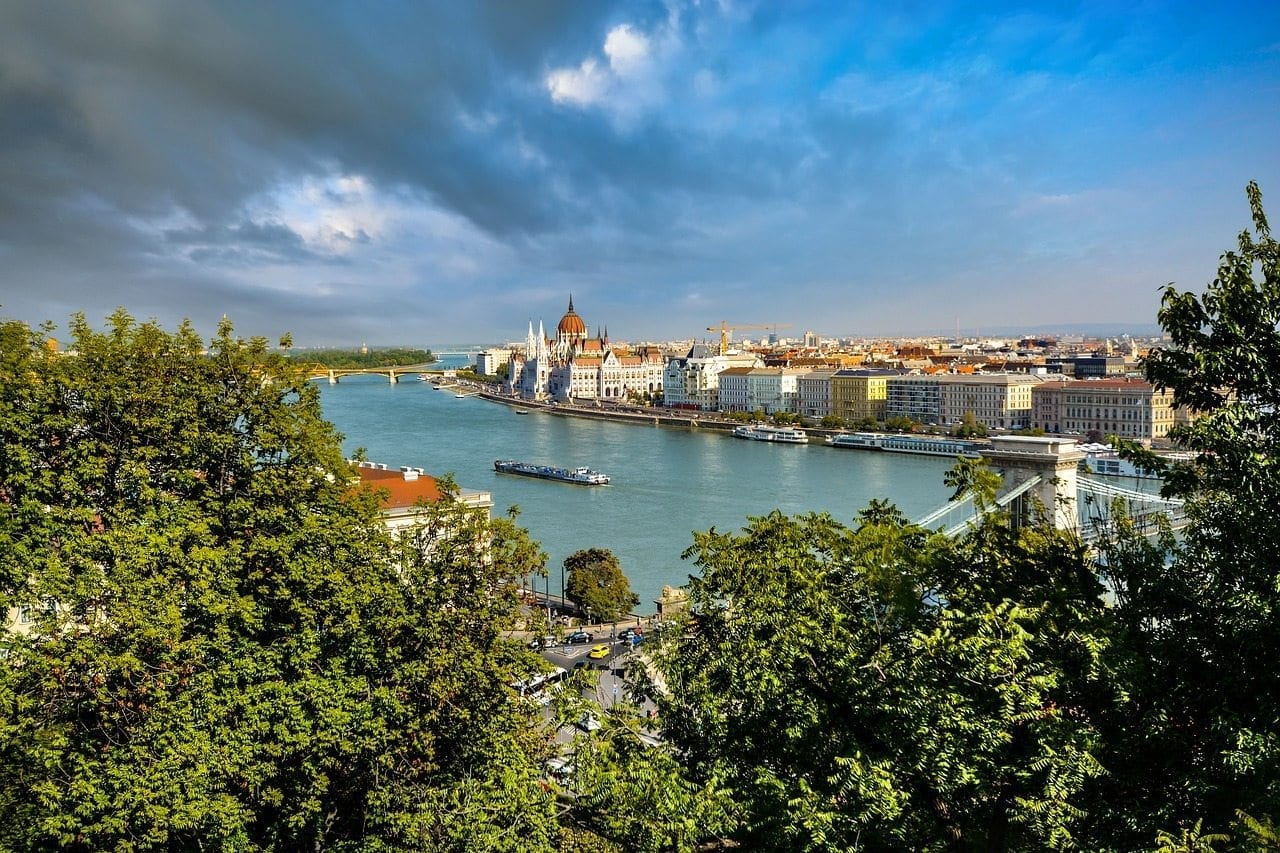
627,634
588,723
579,637
598,652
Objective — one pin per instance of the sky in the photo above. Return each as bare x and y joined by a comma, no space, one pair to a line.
439,173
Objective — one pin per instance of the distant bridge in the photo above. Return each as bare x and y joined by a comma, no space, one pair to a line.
393,373
471,351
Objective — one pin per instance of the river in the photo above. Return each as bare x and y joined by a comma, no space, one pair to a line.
667,482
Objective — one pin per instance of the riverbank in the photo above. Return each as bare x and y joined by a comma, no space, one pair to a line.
644,417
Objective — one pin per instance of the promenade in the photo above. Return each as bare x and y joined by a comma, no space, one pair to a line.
639,415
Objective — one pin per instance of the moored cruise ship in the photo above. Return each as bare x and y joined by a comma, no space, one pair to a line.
764,432
905,444
582,476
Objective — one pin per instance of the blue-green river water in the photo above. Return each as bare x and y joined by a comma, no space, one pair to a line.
667,482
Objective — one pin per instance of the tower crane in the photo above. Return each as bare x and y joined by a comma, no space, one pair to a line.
726,330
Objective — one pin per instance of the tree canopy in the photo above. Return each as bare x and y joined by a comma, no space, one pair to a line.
595,581
213,640
339,358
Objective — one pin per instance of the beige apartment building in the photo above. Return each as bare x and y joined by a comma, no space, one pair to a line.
1127,407
996,400
814,391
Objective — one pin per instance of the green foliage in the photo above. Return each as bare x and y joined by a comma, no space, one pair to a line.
636,795
969,427
832,422
337,358
472,376
1189,840
595,580
826,688
783,418
227,649
900,423
1200,616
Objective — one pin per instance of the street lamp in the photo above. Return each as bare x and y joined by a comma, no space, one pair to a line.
562,584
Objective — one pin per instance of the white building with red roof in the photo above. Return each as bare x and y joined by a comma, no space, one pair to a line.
404,491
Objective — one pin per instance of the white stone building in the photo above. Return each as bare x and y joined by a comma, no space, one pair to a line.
996,400
693,380
574,366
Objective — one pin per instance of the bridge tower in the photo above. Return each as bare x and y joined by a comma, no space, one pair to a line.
1019,459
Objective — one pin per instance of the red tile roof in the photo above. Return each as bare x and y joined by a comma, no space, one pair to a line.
401,492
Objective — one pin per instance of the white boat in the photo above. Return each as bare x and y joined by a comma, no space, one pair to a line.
858,440
764,432
905,444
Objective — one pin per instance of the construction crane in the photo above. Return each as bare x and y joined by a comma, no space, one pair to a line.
726,330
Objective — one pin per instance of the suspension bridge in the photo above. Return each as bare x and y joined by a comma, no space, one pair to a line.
1042,475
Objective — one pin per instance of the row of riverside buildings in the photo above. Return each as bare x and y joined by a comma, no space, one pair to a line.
574,368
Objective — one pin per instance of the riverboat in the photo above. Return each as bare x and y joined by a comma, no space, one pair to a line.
906,444
764,432
856,440
582,476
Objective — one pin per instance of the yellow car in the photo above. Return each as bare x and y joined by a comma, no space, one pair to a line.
599,651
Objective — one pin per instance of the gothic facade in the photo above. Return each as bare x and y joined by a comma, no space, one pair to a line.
574,366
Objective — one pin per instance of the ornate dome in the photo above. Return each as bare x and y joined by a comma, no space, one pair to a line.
571,325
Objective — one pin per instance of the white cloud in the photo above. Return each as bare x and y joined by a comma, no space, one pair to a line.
629,78
584,85
627,49
333,214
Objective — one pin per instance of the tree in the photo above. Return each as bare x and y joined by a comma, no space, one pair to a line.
970,427
900,423
888,688
216,642
595,581
832,422
1201,621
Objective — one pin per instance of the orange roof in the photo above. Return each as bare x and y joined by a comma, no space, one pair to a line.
400,490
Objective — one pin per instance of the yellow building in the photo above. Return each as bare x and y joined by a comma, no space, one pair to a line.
859,394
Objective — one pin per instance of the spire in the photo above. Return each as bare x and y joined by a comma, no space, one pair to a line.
570,303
